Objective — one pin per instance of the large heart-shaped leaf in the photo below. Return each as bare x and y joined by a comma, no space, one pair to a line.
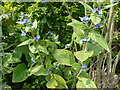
83,55
20,73
64,56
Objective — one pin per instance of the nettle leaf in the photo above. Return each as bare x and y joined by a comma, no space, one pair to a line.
61,82
42,49
85,83
87,6
95,19
109,6
52,83
64,57
99,39
26,42
33,49
83,55
34,24
20,73
94,47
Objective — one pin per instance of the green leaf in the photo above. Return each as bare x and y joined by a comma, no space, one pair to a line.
80,30
35,69
26,42
85,83
76,66
20,73
27,28
95,19
52,83
64,56
93,47
43,9
33,49
61,82
34,24
108,6
87,6
83,55
42,49
17,52
99,39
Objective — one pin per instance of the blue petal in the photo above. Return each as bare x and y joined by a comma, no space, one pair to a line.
84,66
81,41
94,10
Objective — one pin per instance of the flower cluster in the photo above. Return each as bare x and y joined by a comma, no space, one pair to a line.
32,59
37,37
23,34
24,20
82,40
97,25
47,72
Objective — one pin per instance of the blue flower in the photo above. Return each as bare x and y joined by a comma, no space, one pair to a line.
97,25
50,13
84,40
42,21
103,5
57,40
48,31
81,41
67,45
26,20
37,37
43,1
55,37
85,18
91,40
21,15
94,10
93,6
84,66
98,10
48,36
32,59
48,70
21,20
23,34
25,15
31,23
51,32
47,73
